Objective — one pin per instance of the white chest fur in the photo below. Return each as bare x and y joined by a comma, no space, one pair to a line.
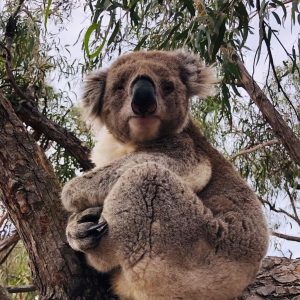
107,149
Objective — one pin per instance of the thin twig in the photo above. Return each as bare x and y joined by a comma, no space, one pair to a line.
272,207
256,12
286,236
271,60
255,148
262,29
3,218
293,205
21,289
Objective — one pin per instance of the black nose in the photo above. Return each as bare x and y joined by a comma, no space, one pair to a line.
143,98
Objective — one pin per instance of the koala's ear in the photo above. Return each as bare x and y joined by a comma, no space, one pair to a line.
92,97
199,78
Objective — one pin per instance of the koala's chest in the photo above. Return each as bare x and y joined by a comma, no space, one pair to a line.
107,149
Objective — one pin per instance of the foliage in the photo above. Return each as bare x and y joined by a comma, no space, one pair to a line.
16,272
38,59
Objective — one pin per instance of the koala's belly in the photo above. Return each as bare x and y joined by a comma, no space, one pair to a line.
156,280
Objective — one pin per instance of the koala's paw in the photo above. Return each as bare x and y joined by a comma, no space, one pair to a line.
72,196
85,229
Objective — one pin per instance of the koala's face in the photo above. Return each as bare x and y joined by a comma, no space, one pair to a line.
145,95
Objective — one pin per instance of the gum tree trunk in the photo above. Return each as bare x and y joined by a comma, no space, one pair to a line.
31,195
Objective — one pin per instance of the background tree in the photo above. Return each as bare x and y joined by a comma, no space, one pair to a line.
256,126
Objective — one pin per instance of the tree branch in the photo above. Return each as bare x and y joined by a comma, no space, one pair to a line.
32,117
272,207
31,195
21,289
9,241
279,278
3,218
286,237
30,114
255,148
7,245
280,128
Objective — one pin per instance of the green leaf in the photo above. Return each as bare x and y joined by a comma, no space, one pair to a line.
276,17
219,40
226,102
140,43
294,10
47,11
190,6
114,33
282,5
134,17
86,41
87,37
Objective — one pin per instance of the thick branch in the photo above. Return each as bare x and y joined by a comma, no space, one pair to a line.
31,195
280,128
279,278
32,117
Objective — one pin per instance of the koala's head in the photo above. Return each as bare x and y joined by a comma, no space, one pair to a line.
145,95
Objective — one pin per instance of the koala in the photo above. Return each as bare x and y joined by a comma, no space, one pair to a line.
163,211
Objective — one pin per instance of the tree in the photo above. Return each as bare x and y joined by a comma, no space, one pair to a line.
36,119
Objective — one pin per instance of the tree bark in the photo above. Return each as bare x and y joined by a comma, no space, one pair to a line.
32,117
31,195
279,278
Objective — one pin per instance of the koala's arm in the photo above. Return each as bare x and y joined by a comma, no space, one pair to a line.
91,188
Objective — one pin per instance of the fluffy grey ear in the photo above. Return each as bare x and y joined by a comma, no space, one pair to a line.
92,97
199,78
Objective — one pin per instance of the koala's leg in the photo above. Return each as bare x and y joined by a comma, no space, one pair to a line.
158,233
154,226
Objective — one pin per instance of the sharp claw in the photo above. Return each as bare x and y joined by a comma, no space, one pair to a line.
101,228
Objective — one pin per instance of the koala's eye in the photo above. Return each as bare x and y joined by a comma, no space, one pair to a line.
119,85
167,86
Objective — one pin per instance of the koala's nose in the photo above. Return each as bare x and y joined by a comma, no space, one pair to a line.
143,97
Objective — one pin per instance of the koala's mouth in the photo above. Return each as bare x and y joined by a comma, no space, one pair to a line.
144,121
144,128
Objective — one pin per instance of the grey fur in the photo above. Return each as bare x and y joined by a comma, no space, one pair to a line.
167,238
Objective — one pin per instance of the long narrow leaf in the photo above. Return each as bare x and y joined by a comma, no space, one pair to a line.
47,11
